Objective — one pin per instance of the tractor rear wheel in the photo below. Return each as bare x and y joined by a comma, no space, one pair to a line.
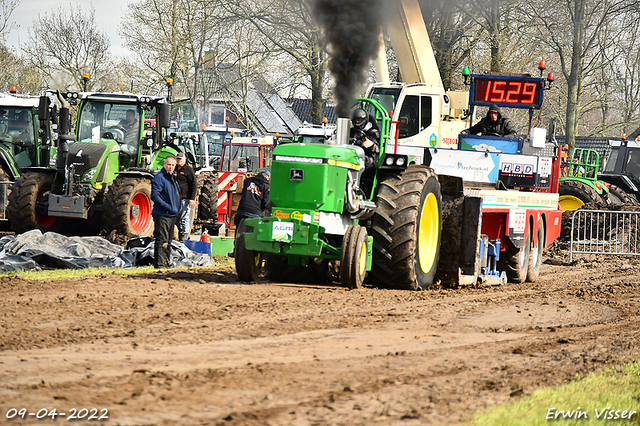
575,194
406,229
618,195
248,262
535,257
516,263
27,204
127,207
208,199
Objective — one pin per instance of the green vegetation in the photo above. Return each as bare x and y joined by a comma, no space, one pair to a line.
610,392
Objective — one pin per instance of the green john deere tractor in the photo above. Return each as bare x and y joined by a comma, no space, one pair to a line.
579,184
101,175
321,213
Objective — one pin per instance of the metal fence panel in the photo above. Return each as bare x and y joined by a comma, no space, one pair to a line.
604,232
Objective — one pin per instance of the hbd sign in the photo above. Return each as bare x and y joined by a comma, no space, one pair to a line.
518,169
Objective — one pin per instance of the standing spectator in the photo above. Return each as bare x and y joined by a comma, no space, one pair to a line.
186,178
254,200
165,195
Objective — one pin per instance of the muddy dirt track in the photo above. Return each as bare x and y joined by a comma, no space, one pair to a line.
198,348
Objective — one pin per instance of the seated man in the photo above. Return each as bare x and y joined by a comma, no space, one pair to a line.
493,124
131,134
20,128
366,135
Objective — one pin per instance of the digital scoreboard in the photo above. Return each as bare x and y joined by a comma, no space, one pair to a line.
507,91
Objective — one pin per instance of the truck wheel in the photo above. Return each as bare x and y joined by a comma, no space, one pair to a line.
535,257
575,194
516,263
353,260
24,212
127,207
618,195
208,199
406,229
248,262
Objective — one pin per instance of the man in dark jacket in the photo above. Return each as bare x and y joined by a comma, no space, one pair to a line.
254,200
366,135
165,195
186,178
493,124
255,197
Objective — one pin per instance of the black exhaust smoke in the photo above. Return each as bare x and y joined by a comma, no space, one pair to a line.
351,31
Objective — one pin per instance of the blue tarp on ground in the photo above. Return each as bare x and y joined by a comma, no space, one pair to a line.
35,250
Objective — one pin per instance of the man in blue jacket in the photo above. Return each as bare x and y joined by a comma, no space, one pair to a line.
165,195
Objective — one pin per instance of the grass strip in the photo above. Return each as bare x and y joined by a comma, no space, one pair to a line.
611,396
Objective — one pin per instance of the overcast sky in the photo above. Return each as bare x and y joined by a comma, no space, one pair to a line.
108,16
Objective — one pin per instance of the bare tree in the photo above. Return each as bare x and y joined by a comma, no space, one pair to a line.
14,71
152,30
66,43
6,10
575,30
290,29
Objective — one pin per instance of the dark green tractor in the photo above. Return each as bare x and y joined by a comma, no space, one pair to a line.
101,179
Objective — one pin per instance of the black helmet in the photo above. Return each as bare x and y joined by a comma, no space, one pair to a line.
359,118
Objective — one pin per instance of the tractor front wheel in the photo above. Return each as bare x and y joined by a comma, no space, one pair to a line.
618,195
248,262
353,260
127,207
27,207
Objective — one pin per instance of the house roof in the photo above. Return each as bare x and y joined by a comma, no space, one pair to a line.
302,108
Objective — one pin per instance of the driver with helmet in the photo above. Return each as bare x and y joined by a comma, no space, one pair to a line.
366,135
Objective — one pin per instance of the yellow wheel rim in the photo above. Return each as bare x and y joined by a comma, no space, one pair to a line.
570,203
428,233
256,259
362,265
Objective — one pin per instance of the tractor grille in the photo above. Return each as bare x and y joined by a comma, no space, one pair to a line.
84,156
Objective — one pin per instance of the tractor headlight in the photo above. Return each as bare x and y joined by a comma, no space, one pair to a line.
89,174
389,161
400,161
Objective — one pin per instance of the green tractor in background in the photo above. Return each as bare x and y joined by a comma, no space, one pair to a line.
579,184
100,176
320,213
21,143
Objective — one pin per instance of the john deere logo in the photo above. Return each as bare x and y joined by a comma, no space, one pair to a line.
296,175
281,215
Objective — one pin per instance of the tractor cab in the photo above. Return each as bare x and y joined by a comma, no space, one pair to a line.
119,123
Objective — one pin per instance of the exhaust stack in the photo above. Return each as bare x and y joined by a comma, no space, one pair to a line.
343,126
